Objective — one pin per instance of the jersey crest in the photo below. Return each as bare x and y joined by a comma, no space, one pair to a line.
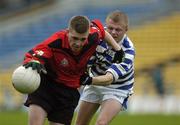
64,62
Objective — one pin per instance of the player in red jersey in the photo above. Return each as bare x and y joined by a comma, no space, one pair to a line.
61,60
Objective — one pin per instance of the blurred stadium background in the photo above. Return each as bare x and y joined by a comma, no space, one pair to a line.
154,30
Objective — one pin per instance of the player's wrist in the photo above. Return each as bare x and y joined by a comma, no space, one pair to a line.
86,79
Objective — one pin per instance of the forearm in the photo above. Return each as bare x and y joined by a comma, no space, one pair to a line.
110,40
103,79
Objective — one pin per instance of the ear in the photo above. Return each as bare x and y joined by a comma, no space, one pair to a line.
126,28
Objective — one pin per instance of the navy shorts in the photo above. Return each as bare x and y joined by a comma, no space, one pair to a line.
57,100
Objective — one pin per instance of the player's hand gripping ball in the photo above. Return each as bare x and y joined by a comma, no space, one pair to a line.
25,80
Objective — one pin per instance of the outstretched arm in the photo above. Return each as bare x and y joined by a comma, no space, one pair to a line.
106,79
110,40
102,80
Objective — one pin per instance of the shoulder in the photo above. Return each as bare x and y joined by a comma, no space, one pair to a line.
97,23
127,43
61,34
128,46
57,39
97,26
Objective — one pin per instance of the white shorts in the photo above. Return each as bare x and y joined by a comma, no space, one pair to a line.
98,94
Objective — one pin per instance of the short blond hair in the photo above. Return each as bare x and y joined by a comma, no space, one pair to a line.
118,17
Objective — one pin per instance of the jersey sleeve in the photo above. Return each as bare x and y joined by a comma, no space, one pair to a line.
126,66
41,52
100,28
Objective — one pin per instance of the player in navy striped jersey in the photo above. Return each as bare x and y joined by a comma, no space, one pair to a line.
113,97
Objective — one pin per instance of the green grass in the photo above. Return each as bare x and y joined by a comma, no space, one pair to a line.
21,118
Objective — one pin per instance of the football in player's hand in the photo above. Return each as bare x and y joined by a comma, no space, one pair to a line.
25,80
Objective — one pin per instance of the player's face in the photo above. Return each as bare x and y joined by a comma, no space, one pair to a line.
76,40
117,30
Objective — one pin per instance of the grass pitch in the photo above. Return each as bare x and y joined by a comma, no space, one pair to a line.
21,118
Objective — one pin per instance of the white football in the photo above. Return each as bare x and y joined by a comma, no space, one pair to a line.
25,80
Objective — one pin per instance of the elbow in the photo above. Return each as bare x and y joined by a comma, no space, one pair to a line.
110,78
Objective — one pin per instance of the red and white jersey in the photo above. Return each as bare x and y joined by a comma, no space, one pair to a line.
62,65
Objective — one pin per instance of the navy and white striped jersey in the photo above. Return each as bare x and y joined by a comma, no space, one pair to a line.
101,62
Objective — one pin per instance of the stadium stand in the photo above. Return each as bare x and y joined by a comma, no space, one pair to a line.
155,33
33,32
10,8
157,41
